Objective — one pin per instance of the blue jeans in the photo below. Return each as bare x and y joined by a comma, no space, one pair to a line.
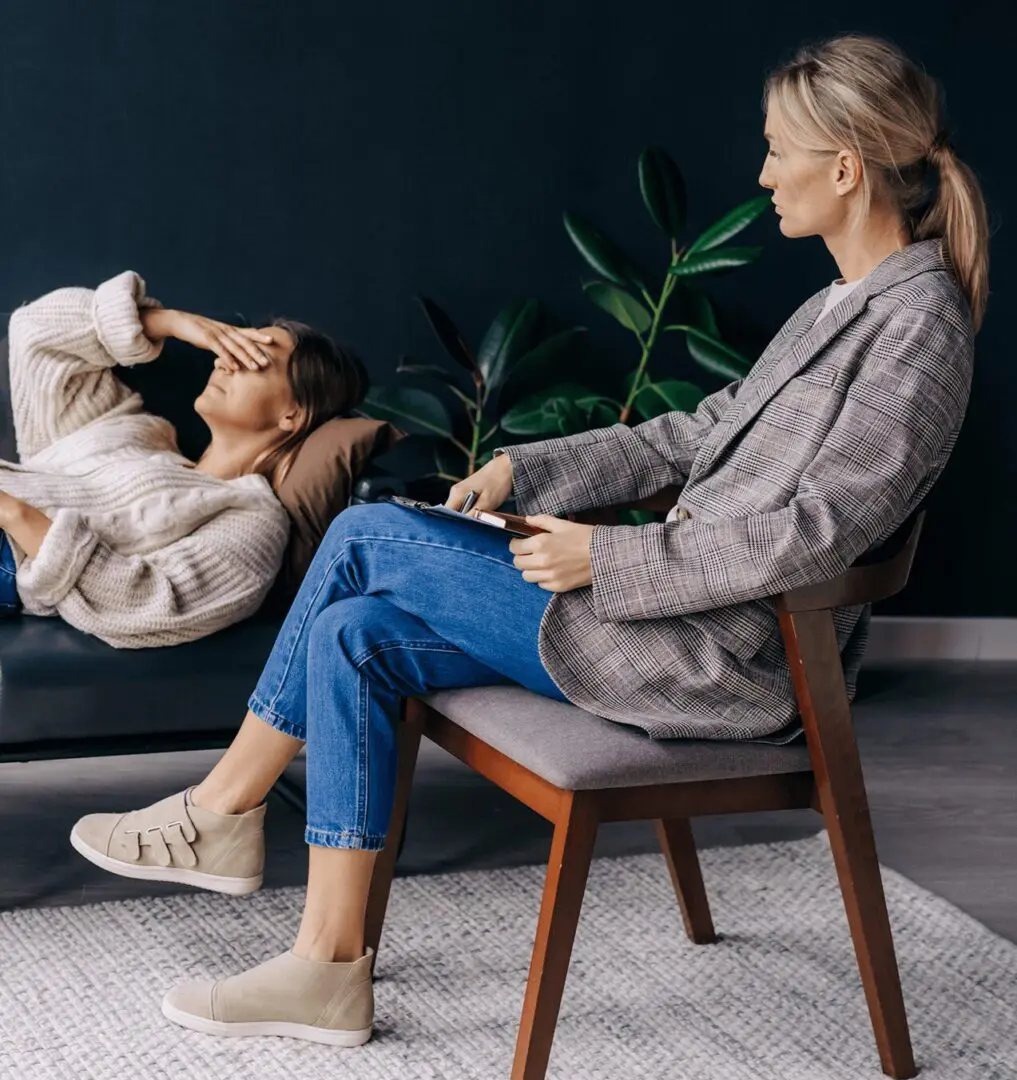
395,604
10,604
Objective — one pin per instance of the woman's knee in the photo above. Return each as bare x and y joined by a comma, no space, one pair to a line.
349,628
362,520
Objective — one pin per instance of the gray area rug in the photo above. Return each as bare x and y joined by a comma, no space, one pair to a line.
778,998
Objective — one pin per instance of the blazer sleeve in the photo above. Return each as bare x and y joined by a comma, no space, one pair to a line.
898,423
612,465
63,348
214,576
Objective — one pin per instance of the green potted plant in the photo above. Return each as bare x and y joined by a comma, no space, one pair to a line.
452,414
620,289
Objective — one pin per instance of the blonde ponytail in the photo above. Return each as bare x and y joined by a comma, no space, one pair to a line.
958,214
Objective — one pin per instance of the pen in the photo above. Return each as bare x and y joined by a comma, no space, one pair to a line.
471,498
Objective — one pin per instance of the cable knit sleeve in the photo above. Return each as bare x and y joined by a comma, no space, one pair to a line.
209,579
63,347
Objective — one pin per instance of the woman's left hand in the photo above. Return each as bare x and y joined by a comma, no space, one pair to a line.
558,560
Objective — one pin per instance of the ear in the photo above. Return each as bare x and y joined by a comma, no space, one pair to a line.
290,421
847,172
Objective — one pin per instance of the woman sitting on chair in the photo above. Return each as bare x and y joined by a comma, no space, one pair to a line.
789,476
104,522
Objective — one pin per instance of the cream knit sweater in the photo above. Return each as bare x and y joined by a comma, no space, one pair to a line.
144,550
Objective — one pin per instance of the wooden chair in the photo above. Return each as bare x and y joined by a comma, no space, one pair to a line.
527,744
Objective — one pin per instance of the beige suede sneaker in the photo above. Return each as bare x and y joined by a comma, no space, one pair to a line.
174,840
302,999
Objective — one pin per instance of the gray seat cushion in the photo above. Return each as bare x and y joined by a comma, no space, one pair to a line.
577,751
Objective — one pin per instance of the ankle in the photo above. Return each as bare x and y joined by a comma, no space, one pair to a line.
217,801
323,949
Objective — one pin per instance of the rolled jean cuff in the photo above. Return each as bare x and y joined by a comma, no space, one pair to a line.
341,838
273,719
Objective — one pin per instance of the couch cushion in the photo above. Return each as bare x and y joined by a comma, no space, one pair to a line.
319,484
578,751
57,683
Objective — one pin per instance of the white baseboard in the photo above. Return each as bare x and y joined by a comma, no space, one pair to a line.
895,637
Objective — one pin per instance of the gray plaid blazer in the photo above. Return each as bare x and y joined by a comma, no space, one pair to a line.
818,454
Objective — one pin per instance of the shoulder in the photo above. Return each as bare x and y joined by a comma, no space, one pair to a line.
255,495
930,299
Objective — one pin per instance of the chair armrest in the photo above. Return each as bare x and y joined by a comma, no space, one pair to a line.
874,576
661,500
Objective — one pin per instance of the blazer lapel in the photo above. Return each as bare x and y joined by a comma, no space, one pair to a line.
792,354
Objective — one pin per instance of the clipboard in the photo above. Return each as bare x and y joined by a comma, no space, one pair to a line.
510,524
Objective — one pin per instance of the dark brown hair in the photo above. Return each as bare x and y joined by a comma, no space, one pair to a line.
861,92
327,380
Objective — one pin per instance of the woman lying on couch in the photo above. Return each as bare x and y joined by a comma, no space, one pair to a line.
104,522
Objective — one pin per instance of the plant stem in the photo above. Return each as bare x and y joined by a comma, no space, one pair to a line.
651,338
464,398
476,420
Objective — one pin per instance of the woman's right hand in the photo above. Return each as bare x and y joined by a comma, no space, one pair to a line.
235,347
492,483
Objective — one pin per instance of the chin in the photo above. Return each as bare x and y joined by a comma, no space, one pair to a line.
794,232
202,405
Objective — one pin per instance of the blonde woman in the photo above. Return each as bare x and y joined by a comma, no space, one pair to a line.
835,436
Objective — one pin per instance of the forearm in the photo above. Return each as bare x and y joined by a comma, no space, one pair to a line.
26,525
603,467
63,348
205,581
158,323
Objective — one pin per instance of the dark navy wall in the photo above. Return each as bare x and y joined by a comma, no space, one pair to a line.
327,160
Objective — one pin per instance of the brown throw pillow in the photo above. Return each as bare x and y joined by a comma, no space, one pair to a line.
318,486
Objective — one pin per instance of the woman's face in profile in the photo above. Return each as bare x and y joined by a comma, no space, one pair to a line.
247,399
805,183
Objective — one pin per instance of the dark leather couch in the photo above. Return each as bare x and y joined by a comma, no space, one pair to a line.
66,694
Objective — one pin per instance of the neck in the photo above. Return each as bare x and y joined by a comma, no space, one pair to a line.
228,457
859,252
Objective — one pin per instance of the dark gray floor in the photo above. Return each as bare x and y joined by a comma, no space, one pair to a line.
939,744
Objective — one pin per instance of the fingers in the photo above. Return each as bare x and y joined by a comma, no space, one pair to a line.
256,335
246,349
457,495
238,348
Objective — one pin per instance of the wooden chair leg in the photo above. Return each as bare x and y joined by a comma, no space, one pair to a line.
384,867
567,870
819,681
679,847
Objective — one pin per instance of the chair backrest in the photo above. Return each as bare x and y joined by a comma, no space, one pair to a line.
814,659
878,574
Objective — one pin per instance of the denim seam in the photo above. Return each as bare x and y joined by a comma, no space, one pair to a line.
431,543
274,719
384,646
313,834
363,724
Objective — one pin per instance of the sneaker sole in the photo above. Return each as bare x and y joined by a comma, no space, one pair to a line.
281,1028
175,875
